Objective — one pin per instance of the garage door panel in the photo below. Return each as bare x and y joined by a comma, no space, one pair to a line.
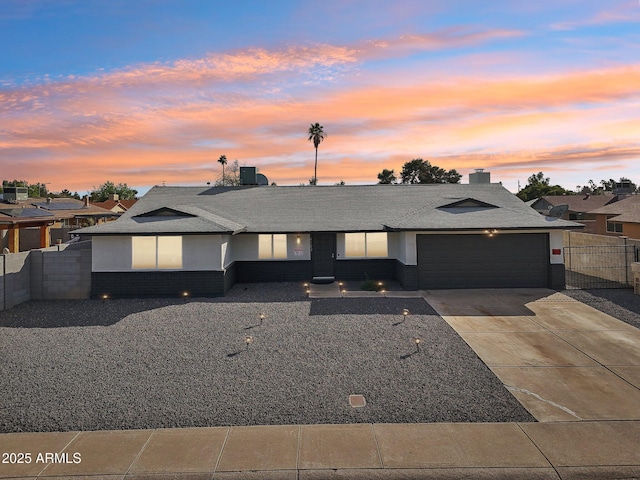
480,261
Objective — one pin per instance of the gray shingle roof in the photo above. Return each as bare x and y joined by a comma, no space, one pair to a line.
334,209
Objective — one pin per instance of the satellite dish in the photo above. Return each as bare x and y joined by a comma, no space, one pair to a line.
558,210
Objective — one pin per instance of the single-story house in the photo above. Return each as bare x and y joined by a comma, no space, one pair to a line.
579,207
115,204
202,240
619,218
31,223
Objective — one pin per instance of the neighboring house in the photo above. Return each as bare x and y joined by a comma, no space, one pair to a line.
202,240
579,207
115,205
619,218
28,224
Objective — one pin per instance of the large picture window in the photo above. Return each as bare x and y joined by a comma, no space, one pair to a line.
371,244
156,252
272,246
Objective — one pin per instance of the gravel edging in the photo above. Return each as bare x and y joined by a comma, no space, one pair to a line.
155,363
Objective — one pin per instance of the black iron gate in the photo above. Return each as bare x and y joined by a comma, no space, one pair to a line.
602,266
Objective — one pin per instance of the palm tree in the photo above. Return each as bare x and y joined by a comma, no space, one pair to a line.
317,135
222,160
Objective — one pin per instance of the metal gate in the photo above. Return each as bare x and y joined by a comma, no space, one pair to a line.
602,266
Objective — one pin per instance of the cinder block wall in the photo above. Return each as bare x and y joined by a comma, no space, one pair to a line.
15,278
56,273
66,274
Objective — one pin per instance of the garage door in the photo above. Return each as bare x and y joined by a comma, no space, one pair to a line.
480,261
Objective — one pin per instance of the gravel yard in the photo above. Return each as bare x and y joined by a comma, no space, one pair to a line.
123,364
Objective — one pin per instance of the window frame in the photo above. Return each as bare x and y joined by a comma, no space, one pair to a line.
276,250
160,257
367,245
613,227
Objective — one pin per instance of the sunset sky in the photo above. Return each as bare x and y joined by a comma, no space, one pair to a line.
151,91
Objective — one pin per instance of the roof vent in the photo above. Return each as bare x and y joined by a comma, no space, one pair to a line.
479,177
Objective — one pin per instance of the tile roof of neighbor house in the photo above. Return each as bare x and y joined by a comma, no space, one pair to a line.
109,204
627,209
581,202
330,209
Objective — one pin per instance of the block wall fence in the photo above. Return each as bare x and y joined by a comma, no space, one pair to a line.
62,272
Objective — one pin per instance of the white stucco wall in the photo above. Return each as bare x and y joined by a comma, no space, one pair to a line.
111,254
201,252
555,243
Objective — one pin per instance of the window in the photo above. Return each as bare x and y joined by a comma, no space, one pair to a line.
156,252
272,246
613,227
373,244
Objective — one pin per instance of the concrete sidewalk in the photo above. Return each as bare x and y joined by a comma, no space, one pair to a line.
420,451
577,370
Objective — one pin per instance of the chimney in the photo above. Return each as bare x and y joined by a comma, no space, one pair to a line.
85,199
114,196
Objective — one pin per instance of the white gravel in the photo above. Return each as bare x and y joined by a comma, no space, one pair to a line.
125,364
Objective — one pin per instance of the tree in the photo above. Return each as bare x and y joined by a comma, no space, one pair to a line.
316,135
102,192
538,186
386,177
231,177
223,161
421,171
65,194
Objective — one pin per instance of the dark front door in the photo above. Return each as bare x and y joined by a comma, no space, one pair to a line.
323,254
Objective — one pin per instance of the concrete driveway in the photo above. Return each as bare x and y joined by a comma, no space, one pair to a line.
563,360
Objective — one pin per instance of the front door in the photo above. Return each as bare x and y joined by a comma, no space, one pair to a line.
323,254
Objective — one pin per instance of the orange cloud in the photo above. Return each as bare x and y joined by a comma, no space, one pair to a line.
170,122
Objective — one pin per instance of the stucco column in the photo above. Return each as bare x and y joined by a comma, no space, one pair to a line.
14,239
45,236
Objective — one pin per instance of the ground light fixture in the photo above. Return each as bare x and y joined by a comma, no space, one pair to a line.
104,297
261,318
417,341
405,312
185,295
248,340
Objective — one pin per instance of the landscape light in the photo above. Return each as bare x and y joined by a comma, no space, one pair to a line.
104,297
261,318
405,312
417,341
248,340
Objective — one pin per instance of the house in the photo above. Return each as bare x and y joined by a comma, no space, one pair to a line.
579,207
619,218
31,223
115,204
202,240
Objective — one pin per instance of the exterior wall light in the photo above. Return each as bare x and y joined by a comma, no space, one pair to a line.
298,239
